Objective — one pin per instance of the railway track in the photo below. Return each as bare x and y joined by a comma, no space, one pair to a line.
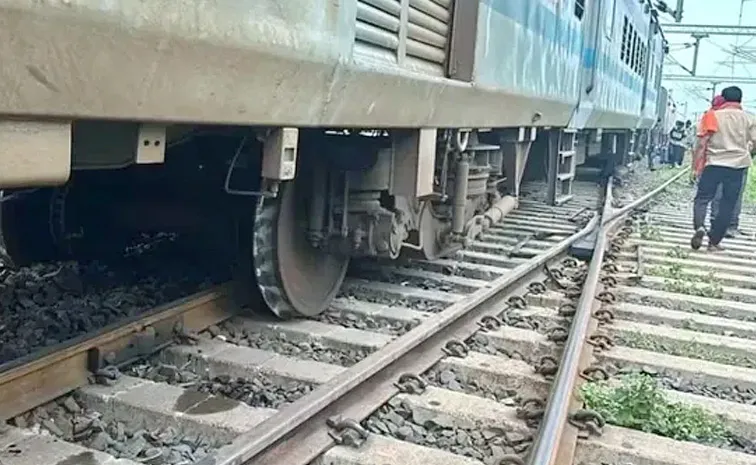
678,348
446,362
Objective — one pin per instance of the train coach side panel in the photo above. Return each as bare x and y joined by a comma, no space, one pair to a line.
251,62
529,47
651,112
619,84
179,60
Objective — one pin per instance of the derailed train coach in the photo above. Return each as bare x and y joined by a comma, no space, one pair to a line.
299,134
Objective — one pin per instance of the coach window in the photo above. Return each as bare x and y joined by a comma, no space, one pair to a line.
625,52
633,49
579,9
610,11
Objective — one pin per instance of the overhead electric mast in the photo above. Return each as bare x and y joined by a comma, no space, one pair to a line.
702,31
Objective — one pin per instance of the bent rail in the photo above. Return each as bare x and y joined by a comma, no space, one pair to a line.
549,447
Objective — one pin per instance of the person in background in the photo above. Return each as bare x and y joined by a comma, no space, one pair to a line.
698,160
677,138
733,228
724,142
690,138
690,135
654,145
664,148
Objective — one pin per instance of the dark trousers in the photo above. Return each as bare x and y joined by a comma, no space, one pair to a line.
610,169
677,155
731,180
735,220
651,153
664,154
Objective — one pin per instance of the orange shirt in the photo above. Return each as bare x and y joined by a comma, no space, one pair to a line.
706,127
708,123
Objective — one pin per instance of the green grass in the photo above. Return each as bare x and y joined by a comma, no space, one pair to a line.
750,193
638,402
664,173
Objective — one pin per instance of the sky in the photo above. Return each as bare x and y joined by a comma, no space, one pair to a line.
713,58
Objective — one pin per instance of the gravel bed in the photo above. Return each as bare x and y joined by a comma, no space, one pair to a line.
478,342
306,350
691,325
515,320
449,379
456,270
46,304
732,394
260,391
637,180
377,297
390,276
488,445
671,304
67,420
366,323
692,350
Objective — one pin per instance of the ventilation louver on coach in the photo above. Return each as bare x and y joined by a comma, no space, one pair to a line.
379,23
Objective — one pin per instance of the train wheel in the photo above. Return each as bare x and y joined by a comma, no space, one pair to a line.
294,278
26,232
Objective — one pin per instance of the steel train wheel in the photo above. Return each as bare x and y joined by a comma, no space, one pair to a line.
294,278
25,228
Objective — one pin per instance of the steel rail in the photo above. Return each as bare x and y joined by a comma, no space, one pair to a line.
546,447
298,434
47,374
643,200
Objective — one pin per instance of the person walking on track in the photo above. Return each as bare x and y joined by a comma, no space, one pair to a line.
699,162
724,139
690,135
677,138
653,147
699,150
733,227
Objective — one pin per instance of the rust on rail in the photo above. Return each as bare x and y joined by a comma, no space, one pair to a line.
45,375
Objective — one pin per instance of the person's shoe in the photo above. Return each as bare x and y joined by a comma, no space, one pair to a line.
715,248
731,233
697,239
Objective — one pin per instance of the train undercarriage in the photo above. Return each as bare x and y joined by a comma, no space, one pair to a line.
287,208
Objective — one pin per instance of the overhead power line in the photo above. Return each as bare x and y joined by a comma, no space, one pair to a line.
709,29
718,79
